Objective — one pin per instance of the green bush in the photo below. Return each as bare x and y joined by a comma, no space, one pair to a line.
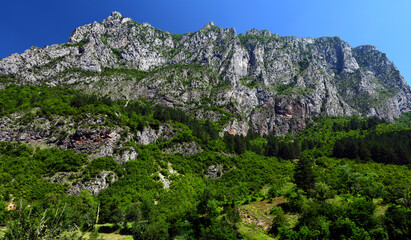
103,163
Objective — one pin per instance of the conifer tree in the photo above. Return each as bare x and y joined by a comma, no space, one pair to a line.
304,175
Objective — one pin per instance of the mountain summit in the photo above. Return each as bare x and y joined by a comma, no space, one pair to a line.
267,82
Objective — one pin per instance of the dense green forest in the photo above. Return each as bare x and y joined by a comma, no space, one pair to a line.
340,178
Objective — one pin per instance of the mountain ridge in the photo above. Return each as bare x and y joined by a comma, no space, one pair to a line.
274,84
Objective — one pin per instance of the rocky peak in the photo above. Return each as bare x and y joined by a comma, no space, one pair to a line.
209,25
254,31
116,15
233,31
368,56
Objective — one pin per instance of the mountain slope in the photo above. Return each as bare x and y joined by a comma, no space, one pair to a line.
271,83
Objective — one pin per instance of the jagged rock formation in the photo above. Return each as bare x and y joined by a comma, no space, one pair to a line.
274,83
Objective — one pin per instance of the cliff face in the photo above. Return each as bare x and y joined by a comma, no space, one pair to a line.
274,83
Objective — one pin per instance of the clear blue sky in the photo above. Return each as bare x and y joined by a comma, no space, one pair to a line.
382,23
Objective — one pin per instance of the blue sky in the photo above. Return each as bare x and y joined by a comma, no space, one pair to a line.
382,23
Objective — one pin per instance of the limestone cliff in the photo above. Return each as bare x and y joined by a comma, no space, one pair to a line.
272,83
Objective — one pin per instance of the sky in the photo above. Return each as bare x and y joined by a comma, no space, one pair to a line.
382,23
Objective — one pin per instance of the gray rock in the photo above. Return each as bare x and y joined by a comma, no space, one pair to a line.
99,142
215,171
166,182
149,135
76,184
186,149
126,155
95,185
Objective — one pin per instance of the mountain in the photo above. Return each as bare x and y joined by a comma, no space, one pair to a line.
269,83
126,129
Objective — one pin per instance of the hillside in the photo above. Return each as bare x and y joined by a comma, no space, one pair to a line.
157,173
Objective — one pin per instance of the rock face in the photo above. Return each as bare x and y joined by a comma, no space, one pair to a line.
86,136
149,135
93,185
274,83
186,149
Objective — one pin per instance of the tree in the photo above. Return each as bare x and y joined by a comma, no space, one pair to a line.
361,211
272,146
89,208
149,224
304,175
278,221
397,222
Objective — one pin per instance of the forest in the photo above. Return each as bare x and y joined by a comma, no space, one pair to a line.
339,178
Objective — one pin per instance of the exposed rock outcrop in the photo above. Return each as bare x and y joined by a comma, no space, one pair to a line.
93,185
149,135
215,171
87,136
185,148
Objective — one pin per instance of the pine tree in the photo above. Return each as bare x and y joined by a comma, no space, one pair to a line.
304,175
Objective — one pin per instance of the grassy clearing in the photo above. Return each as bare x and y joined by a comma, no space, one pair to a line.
107,235
256,218
258,213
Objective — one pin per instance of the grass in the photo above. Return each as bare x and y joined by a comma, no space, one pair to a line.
114,235
105,236
2,231
251,231
256,219
258,213
380,210
111,236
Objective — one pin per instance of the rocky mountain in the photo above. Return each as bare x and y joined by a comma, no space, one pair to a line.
270,83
